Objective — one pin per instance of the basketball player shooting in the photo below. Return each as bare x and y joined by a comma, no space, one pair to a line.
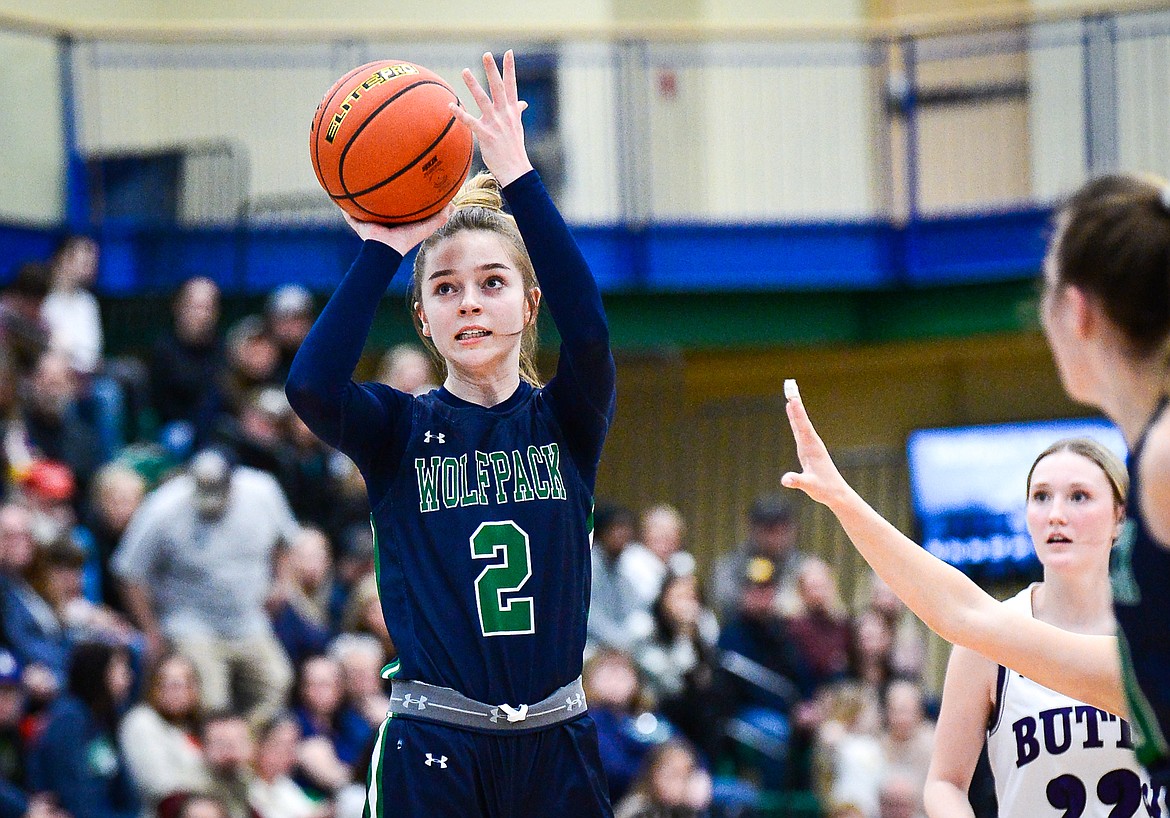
481,490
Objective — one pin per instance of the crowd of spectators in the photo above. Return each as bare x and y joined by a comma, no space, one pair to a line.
768,684
190,626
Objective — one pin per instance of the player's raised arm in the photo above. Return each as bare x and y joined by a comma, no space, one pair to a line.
1082,666
584,386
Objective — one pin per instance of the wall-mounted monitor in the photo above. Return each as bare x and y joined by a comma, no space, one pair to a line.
967,486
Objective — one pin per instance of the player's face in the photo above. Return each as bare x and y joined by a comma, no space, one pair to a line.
474,304
1071,514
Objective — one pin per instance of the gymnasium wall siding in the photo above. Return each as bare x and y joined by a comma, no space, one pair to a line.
33,173
1056,100
728,132
1143,75
765,11
434,12
591,125
1120,120
771,111
707,430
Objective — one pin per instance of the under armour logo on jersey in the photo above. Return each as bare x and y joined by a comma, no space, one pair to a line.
441,761
574,702
410,701
513,714
429,436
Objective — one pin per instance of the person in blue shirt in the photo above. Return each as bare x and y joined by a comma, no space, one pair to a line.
481,490
1106,315
76,758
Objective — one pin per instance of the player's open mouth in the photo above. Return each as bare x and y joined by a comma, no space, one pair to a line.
1055,538
469,334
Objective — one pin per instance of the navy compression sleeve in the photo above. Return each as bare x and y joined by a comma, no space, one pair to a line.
583,389
365,421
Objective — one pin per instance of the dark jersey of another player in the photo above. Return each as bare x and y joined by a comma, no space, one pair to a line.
1140,574
482,515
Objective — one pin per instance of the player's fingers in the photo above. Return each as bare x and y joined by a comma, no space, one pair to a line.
523,106
494,79
477,93
357,224
464,116
510,93
808,443
791,480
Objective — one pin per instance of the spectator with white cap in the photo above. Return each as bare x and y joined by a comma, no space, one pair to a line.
197,564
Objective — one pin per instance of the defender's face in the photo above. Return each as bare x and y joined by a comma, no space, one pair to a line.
473,303
1071,513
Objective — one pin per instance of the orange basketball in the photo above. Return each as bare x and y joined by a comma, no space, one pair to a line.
385,145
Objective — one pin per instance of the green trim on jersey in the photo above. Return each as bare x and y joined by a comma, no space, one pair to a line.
377,557
373,806
1150,745
390,670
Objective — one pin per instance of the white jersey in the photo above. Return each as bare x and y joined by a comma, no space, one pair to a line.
1052,755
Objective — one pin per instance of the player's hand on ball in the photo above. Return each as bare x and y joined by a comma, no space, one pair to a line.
818,478
498,127
402,237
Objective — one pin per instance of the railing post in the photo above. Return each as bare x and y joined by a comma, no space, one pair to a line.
1099,58
77,211
910,102
635,171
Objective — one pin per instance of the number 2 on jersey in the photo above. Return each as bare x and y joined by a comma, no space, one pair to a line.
499,616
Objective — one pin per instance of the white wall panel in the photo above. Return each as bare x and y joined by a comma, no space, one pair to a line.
1143,90
1056,81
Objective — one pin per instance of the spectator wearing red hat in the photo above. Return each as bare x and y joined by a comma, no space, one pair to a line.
50,494
54,428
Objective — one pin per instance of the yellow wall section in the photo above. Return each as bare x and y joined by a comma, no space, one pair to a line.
888,9
707,431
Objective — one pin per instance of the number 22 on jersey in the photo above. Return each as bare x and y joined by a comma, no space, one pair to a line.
499,616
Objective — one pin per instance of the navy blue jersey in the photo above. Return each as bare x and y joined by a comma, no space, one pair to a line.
483,549
482,515
1140,574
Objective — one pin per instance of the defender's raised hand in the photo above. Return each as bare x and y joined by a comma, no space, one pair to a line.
819,478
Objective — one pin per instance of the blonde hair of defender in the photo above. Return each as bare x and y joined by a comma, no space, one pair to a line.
479,205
